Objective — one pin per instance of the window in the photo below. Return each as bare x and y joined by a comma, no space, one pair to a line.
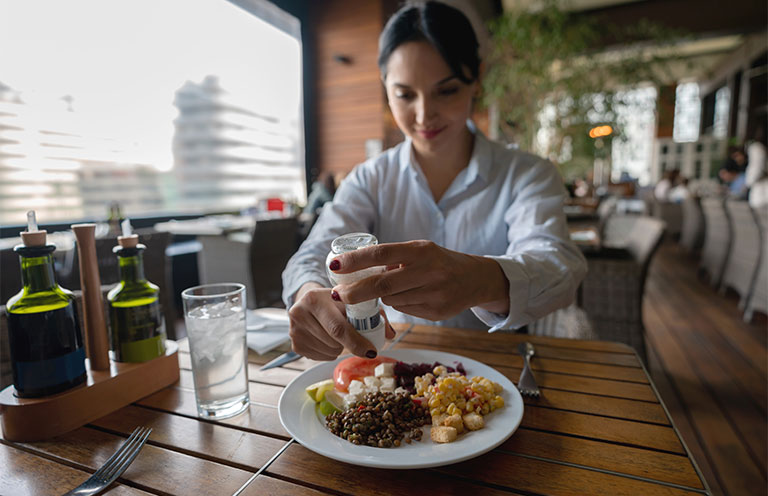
687,112
170,106
722,108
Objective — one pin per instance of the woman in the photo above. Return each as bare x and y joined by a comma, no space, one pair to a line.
474,233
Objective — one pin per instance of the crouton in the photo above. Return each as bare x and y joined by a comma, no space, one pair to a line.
438,419
456,422
443,434
473,421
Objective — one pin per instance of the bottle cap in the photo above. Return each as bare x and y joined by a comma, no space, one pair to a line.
33,236
128,239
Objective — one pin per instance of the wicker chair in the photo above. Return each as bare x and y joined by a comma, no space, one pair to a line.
717,239
669,212
758,299
612,292
692,230
743,258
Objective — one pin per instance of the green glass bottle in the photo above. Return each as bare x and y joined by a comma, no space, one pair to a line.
137,328
45,341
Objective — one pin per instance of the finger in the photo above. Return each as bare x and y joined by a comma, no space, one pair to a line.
373,256
413,296
322,314
308,346
337,327
377,286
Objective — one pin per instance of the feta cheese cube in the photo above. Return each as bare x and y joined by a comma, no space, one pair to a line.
356,387
351,399
387,384
372,382
384,370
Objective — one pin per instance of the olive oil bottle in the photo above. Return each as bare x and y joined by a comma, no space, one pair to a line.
137,328
46,344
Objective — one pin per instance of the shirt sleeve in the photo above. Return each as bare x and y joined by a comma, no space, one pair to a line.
543,266
353,209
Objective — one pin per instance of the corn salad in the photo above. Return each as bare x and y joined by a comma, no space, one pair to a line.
453,393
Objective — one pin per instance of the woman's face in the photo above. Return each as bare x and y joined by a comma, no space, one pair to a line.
430,105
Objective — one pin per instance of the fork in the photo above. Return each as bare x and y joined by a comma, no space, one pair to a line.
527,384
115,466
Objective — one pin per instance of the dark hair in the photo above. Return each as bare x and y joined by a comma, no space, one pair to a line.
440,25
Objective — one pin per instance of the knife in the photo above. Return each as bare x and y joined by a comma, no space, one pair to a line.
287,357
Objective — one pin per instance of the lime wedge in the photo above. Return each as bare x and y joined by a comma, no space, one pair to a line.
335,399
326,408
317,390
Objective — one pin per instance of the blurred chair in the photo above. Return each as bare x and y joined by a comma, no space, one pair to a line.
717,239
273,243
692,229
758,299
669,212
743,258
224,259
612,292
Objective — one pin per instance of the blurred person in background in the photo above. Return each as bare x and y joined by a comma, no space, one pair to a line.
472,232
732,171
663,187
322,192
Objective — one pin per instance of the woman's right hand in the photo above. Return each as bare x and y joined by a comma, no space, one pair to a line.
319,327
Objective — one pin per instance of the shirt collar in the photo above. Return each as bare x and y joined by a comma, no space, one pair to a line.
479,163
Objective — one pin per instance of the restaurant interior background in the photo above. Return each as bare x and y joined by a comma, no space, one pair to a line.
158,123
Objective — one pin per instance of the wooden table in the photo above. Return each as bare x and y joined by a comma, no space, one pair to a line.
598,428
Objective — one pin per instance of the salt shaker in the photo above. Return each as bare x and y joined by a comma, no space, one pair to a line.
364,316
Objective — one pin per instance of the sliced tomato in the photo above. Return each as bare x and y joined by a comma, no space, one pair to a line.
353,368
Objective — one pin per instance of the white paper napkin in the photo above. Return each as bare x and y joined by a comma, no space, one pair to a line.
267,329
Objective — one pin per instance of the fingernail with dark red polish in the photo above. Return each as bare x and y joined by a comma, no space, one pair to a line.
370,354
335,296
334,265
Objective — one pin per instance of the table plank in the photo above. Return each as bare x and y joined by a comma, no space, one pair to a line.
600,405
578,384
508,341
585,369
26,474
259,419
297,463
264,485
215,442
155,469
543,477
509,346
674,469
603,428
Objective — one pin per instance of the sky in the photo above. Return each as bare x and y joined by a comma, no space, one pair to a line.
122,61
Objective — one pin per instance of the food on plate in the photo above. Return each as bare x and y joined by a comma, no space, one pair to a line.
317,390
380,420
353,368
382,402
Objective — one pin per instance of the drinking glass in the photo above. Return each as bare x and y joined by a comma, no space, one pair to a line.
215,318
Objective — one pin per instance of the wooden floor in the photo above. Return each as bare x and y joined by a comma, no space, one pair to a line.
711,370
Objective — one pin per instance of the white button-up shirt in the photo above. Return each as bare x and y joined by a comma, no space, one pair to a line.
506,205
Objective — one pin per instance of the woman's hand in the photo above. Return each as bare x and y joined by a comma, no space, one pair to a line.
319,327
424,280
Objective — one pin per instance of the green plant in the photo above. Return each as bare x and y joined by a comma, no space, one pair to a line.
550,69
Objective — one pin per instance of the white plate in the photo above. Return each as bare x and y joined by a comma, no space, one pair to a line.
297,414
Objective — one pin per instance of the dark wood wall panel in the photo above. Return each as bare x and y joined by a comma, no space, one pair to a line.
350,98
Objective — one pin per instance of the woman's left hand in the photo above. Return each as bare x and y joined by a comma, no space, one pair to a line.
424,280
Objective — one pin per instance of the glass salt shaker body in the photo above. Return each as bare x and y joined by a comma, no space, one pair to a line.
364,316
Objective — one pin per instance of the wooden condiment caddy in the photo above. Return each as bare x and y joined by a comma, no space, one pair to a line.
109,386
